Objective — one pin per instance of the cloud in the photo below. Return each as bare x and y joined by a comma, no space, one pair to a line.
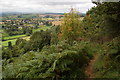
42,6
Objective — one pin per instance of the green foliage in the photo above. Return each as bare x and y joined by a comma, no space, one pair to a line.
20,41
71,27
47,23
45,56
9,45
39,39
14,51
54,34
108,63
28,32
53,62
103,20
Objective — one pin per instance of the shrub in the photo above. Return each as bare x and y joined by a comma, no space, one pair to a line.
60,61
107,65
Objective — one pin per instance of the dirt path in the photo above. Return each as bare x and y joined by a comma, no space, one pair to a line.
89,70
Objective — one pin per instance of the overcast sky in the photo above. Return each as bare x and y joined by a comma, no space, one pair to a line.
43,6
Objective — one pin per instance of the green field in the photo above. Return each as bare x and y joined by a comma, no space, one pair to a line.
26,38
13,37
47,19
5,43
44,28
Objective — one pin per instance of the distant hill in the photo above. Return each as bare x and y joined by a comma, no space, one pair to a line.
9,13
56,13
17,13
81,14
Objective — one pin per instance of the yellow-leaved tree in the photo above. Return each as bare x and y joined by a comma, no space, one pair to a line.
71,27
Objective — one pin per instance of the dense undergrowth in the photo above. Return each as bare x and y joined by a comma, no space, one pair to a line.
63,52
55,61
108,63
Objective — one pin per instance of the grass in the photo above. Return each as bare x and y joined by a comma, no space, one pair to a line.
3,33
13,37
47,19
100,71
26,38
5,43
44,28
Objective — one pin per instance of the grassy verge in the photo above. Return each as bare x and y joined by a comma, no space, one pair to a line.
107,65
101,70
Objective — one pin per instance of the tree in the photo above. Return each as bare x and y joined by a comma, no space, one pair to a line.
102,23
111,19
71,27
39,39
10,45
